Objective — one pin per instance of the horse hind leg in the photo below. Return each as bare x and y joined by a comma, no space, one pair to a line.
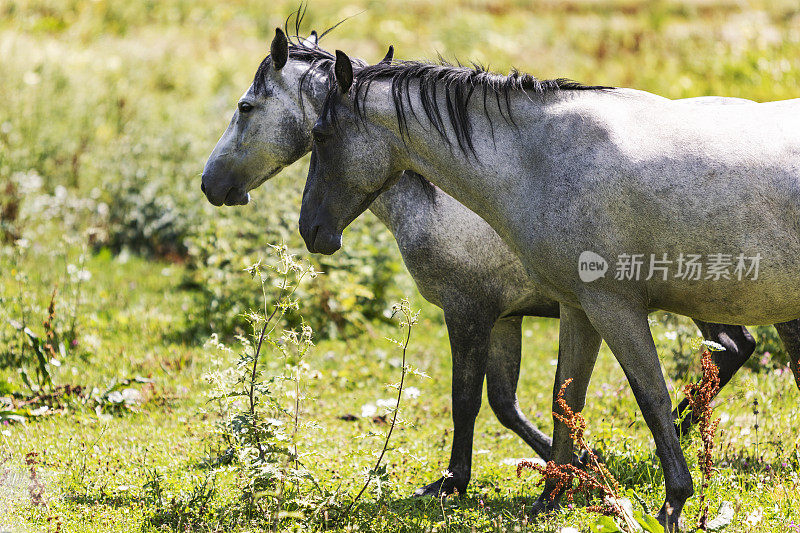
789,332
739,346
502,376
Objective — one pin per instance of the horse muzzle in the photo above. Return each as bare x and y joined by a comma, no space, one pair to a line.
321,241
224,196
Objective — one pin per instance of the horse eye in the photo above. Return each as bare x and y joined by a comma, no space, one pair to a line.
318,136
244,107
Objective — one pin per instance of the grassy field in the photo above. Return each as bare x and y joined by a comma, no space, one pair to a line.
108,110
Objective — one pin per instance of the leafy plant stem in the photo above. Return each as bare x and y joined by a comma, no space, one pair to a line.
409,320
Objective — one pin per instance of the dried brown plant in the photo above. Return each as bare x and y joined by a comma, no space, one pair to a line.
49,330
35,487
700,396
595,477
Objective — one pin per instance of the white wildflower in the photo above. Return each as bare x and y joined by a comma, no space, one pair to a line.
115,397
412,392
755,516
388,403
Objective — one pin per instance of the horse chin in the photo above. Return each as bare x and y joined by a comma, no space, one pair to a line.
214,202
237,196
270,174
258,182
326,243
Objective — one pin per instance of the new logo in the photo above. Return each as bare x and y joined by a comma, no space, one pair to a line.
591,266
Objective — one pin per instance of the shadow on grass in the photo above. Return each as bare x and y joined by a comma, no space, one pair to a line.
110,500
632,470
461,513
170,515
486,506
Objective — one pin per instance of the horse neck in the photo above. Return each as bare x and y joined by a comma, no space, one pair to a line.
396,208
479,180
404,203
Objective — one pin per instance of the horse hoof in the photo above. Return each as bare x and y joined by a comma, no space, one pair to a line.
440,487
543,505
673,525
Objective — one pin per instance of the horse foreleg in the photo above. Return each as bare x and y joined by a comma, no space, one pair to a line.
469,344
623,325
579,343
789,332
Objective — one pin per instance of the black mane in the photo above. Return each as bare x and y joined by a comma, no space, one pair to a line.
458,84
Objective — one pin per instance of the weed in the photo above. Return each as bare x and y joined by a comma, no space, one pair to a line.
756,426
10,200
181,511
595,478
408,321
273,479
35,485
700,396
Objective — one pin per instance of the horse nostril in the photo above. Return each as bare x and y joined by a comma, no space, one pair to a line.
203,187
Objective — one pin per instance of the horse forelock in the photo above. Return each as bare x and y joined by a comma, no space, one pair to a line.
302,49
312,56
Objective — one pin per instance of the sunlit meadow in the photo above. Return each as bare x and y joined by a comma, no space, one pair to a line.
131,310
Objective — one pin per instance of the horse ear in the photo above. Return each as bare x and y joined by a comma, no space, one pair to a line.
389,55
343,70
312,40
279,50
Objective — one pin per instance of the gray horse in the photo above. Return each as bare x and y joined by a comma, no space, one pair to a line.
573,176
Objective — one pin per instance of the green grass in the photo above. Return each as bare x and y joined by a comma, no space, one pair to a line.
94,95
94,469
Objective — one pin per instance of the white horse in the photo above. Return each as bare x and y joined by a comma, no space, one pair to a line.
573,178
